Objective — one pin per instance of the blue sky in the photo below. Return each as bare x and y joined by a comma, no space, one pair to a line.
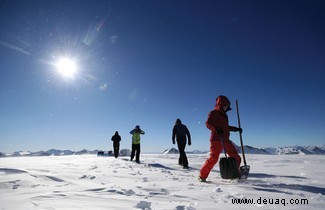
148,63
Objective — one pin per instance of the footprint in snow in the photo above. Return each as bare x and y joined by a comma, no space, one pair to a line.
87,177
217,190
162,191
144,205
175,178
13,184
184,208
93,168
122,192
128,192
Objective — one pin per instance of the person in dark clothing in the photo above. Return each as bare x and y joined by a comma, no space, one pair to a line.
136,132
180,131
116,144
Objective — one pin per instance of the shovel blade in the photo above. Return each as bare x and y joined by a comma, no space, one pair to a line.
244,171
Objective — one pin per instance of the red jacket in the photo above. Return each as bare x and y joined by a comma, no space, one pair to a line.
218,119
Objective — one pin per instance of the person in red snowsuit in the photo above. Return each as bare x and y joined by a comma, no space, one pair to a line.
217,122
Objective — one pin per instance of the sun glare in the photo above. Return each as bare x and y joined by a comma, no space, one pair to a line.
67,68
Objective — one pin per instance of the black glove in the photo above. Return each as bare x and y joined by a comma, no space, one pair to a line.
219,131
189,143
239,129
174,142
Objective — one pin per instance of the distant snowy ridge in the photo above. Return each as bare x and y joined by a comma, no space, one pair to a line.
171,151
175,151
54,152
303,150
287,150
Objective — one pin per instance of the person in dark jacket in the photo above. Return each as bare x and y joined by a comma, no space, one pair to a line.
136,132
116,144
180,131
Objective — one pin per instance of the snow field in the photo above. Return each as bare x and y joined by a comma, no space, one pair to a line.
91,182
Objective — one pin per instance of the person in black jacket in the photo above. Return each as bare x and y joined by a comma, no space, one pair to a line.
180,131
116,144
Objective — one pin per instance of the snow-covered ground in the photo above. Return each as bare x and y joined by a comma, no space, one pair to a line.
91,182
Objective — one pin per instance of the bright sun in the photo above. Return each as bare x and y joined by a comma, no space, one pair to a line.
67,67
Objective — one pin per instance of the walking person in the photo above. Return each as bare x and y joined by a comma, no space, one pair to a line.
217,122
116,138
180,131
136,132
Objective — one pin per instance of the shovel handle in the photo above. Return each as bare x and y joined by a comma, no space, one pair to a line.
240,136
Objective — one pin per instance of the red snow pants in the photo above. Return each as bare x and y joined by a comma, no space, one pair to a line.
215,150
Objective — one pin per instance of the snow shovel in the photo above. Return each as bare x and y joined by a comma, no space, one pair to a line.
244,170
228,165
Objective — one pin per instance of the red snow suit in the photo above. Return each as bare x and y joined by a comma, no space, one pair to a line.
218,119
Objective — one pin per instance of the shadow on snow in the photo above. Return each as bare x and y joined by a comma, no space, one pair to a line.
261,175
158,165
306,188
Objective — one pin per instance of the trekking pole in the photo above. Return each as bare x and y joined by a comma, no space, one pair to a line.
240,136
